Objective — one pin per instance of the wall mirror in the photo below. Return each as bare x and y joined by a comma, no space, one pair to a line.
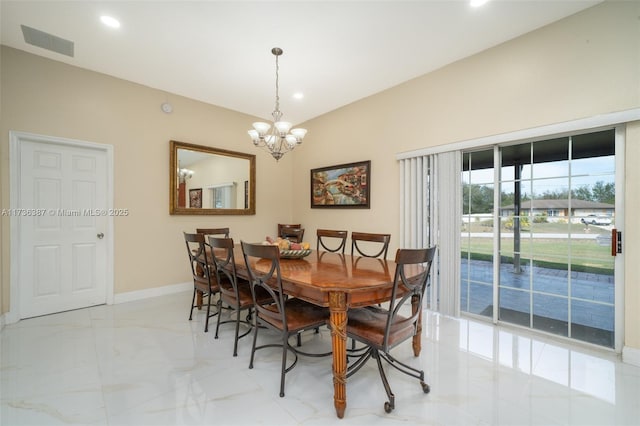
206,180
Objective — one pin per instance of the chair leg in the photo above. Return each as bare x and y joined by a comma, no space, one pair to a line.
206,322
255,339
299,339
285,345
391,404
193,301
359,362
407,369
219,305
235,344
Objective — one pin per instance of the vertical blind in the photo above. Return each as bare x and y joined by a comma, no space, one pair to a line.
430,206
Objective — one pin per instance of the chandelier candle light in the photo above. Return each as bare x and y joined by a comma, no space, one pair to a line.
282,138
184,174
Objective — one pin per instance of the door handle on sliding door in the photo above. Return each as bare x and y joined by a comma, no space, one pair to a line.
616,242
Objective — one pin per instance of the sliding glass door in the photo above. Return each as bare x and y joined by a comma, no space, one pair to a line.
537,222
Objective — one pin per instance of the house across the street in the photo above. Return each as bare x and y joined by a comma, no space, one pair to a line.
577,211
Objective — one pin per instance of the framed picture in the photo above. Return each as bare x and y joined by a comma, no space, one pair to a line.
195,198
341,186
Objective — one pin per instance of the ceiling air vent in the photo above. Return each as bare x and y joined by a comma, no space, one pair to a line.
47,41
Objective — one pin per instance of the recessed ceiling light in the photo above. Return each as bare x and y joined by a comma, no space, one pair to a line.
110,21
298,95
478,3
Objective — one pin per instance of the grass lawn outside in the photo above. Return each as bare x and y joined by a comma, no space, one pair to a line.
585,252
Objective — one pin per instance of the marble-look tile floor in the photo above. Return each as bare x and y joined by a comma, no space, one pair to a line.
144,363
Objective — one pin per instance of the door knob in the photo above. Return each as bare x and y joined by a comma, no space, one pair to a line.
100,235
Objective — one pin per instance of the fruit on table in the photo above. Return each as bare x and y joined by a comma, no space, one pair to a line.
284,244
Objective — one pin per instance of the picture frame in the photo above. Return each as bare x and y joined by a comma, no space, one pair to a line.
195,198
343,186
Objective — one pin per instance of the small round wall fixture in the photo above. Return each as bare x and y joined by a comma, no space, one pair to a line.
166,107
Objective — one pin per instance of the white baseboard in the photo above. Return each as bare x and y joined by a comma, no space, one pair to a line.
11,318
130,296
631,356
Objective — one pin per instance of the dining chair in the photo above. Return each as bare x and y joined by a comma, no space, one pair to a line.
381,330
204,280
291,233
287,316
288,225
234,292
366,249
216,232
324,234
295,235
213,231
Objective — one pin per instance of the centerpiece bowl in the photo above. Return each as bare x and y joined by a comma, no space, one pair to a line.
294,254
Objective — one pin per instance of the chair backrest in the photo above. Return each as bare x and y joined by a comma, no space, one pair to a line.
293,232
199,260
407,292
269,257
225,265
324,234
287,225
213,231
295,235
373,238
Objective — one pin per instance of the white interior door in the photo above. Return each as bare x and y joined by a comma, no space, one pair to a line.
62,224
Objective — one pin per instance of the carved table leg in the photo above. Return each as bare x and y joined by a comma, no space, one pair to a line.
338,325
417,339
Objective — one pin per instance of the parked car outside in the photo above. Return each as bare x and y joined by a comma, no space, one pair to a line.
592,219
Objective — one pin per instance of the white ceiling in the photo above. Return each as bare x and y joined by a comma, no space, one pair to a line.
219,52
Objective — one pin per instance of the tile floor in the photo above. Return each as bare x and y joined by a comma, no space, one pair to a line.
143,363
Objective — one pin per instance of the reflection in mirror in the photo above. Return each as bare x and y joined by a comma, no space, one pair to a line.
205,180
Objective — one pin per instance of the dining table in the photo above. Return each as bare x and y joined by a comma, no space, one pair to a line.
339,282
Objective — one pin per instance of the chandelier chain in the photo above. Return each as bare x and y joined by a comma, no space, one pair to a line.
277,110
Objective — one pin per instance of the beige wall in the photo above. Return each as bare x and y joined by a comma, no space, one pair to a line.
583,66
50,98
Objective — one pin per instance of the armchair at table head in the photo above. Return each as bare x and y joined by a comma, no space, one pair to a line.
288,225
381,330
330,234
360,244
293,233
288,316
219,232
204,280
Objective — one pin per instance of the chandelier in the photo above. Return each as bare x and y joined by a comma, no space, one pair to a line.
184,174
280,138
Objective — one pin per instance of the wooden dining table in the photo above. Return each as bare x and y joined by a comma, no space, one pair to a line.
339,282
